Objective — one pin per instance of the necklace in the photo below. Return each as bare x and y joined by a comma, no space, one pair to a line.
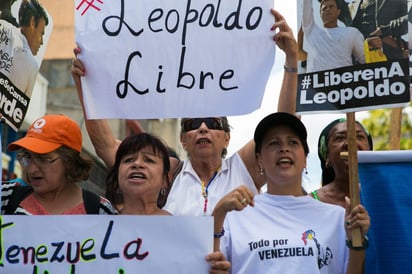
205,191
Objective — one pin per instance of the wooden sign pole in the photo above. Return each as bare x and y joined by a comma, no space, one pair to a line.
395,129
353,172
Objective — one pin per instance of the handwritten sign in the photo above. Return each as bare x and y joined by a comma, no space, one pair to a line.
169,59
104,244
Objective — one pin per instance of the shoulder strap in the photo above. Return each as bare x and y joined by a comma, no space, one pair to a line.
91,202
18,195
315,195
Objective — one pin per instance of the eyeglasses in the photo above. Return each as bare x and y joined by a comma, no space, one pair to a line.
26,159
211,123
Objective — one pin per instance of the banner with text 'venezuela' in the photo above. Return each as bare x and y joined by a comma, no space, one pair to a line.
168,59
78,244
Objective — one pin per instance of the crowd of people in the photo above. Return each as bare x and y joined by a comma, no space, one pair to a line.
253,230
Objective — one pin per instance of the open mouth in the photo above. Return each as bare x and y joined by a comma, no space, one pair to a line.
203,141
137,175
285,160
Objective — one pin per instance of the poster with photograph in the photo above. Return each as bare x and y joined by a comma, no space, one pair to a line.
25,27
353,55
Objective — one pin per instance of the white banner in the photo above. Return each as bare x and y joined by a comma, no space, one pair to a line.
79,244
168,59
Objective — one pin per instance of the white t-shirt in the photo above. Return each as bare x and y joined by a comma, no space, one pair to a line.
185,197
286,234
329,48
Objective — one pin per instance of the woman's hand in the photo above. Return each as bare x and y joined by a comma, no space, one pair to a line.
283,36
218,263
77,68
358,217
237,199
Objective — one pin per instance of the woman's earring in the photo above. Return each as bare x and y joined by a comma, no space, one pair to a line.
163,191
261,171
306,171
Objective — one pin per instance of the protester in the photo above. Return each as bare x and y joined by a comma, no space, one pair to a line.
333,140
139,174
284,230
335,170
50,154
330,46
206,176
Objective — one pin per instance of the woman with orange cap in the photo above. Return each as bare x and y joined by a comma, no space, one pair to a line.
51,157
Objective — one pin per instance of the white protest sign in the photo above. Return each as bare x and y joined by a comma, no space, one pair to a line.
78,244
169,59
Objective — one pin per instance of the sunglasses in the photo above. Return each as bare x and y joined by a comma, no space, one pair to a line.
211,123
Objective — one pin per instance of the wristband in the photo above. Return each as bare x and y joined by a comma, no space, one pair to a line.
365,244
219,235
288,69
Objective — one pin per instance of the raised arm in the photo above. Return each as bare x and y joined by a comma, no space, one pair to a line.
286,41
100,133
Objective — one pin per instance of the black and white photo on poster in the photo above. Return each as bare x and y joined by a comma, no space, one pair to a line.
25,27
364,42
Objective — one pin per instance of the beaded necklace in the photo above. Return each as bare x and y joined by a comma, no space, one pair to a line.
205,191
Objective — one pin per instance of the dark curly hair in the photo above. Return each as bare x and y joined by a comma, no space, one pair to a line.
77,165
129,145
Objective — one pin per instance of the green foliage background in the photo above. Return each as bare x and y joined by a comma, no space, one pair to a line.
378,125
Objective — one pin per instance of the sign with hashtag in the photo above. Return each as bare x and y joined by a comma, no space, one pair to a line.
169,59
349,64
357,88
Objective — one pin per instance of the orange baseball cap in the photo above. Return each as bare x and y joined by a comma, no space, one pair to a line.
48,133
